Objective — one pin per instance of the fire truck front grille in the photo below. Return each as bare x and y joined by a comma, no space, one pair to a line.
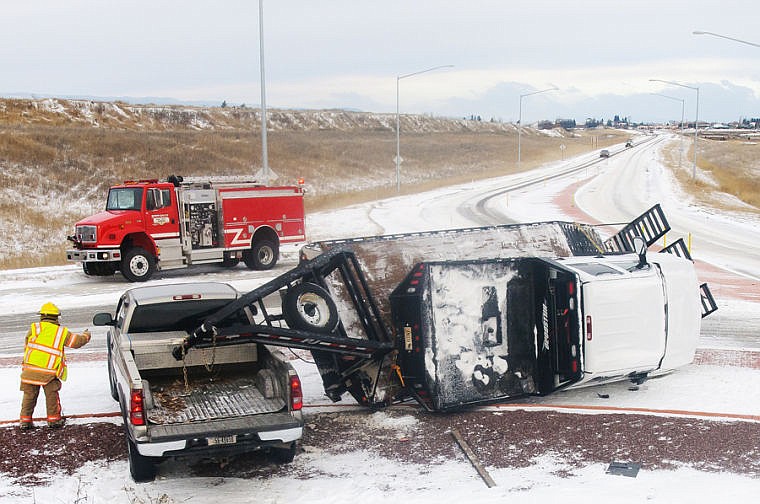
87,234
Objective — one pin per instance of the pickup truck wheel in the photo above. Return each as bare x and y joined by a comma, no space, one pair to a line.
283,455
309,307
137,265
141,468
262,256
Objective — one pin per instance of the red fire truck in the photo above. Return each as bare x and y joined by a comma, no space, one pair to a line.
150,225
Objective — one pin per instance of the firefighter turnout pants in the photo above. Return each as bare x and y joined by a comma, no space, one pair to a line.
52,401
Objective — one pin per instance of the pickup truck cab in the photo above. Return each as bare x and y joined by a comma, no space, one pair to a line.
221,400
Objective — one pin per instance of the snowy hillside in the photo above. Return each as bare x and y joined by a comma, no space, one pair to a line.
123,115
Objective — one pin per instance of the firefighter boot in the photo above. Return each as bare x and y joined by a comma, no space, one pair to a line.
57,424
25,425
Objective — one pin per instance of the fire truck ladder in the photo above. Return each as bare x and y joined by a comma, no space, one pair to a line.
308,293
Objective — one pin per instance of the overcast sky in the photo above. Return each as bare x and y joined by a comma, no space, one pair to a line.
600,54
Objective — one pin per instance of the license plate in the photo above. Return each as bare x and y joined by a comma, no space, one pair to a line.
221,440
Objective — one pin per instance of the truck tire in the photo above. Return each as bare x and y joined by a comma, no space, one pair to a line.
99,268
283,455
309,307
142,468
262,256
137,265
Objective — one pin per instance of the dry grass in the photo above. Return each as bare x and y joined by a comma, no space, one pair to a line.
731,167
56,167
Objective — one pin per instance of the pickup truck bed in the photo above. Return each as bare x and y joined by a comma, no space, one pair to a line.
208,398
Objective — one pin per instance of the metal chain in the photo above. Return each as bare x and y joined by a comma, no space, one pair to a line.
210,366
184,371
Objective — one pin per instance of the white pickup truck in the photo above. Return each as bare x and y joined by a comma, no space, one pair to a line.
219,401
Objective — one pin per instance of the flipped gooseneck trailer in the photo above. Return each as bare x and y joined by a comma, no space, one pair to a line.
471,316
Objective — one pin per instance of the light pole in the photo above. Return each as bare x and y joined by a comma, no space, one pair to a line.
519,123
699,32
696,120
398,120
683,101
264,154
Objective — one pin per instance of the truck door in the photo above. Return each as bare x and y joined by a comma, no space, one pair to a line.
161,216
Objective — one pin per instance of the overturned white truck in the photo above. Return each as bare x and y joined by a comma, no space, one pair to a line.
480,315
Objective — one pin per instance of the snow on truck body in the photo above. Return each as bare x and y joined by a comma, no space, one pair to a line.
227,400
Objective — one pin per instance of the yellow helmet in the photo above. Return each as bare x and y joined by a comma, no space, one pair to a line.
50,309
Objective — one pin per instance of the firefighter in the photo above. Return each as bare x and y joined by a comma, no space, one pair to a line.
45,365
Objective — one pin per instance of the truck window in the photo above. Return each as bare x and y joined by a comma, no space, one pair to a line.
125,198
157,199
173,316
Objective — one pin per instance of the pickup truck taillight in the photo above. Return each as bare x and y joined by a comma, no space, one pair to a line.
296,394
136,410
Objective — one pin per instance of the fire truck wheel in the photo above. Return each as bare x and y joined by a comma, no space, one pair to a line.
309,307
262,256
137,265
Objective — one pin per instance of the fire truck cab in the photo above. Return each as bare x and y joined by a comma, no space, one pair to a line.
150,225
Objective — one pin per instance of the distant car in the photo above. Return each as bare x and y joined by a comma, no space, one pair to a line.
629,143
604,153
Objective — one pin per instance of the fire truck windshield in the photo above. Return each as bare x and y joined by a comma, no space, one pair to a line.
125,198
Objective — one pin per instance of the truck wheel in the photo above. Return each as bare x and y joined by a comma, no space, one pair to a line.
283,455
309,307
137,265
142,468
262,256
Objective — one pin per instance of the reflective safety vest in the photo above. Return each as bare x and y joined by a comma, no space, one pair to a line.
44,350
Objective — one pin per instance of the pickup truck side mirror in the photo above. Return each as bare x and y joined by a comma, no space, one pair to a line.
103,319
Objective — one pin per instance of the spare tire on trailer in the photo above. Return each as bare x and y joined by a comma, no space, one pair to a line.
263,255
309,307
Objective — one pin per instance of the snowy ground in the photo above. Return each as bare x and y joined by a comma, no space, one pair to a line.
360,476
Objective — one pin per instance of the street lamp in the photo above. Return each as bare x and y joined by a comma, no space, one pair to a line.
698,32
398,120
696,120
683,101
519,123
264,155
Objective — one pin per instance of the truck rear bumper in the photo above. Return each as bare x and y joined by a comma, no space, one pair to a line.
93,255
249,434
